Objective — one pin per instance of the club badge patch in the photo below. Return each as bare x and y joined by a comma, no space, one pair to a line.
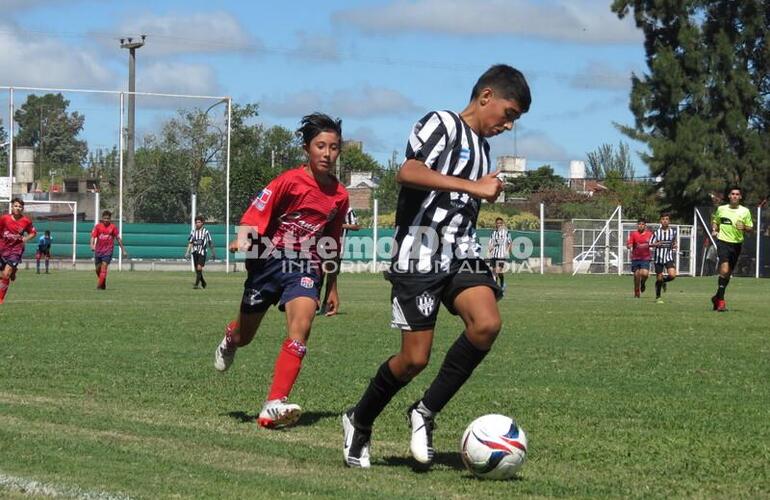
306,282
262,198
425,303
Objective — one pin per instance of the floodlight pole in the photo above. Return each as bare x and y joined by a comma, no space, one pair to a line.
131,45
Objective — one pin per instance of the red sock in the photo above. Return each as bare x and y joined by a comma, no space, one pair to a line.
286,369
103,278
4,284
229,333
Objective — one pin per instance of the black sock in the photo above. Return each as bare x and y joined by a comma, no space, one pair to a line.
381,390
721,288
460,361
502,279
668,278
198,277
658,288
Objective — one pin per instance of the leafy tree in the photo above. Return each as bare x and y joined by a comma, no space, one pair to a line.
534,181
606,162
3,149
354,159
103,165
703,106
46,125
387,188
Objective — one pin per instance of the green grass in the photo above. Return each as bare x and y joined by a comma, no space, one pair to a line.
114,392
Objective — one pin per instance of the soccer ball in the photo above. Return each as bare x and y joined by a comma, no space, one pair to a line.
493,447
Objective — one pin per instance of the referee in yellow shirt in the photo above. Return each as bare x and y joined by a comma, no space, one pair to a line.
729,225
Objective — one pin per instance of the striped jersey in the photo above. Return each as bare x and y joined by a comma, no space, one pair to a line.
667,239
498,244
434,228
200,239
350,218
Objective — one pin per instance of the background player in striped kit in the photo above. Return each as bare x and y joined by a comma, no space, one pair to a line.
663,242
197,244
499,250
437,259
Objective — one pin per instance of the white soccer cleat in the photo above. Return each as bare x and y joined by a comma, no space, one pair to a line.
278,413
421,443
355,443
224,356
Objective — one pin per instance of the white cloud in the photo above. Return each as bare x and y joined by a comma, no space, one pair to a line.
177,78
11,5
362,102
581,21
371,141
316,47
598,75
203,32
44,62
534,145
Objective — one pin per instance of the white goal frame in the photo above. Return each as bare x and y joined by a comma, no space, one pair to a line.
73,205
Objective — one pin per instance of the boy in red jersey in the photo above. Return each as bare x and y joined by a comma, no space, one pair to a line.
639,244
292,225
15,230
103,239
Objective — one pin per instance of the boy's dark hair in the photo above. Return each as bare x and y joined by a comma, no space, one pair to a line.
313,124
508,81
106,213
47,232
641,219
733,188
665,214
200,218
499,219
17,200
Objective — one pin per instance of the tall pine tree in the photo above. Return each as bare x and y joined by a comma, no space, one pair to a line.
703,106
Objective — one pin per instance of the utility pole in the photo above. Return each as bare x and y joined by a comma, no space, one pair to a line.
131,45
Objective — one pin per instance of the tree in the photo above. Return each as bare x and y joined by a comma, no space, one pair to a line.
534,181
354,159
46,125
606,162
3,149
103,165
703,106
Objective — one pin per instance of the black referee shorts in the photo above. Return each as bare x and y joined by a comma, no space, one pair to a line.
728,252
415,297
660,267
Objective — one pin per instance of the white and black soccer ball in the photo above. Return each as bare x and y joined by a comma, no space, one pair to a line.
493,447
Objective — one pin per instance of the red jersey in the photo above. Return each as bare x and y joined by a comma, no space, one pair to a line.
294,211
12,234
105,238
640,245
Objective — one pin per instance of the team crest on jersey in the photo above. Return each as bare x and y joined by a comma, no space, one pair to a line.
425,303
465,153
262,198
306,282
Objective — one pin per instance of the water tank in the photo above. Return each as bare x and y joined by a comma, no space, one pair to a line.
24,170
577,169
511,164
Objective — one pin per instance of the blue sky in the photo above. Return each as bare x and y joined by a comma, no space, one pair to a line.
379,64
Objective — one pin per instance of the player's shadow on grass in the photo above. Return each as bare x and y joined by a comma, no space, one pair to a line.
305,419
451,460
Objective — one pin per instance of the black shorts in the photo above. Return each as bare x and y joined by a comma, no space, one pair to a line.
659,268
497,263
199,259
728,252
415,296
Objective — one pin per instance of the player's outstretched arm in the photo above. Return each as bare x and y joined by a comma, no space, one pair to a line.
418,175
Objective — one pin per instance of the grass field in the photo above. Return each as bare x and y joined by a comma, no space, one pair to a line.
113,394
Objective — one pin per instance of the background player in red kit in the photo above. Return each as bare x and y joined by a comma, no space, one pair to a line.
15,230
103,239
292,224
639,244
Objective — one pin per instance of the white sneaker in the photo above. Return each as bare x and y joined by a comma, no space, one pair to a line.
355,443
278,413
224,356
421,443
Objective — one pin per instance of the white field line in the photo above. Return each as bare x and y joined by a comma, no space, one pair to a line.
31,487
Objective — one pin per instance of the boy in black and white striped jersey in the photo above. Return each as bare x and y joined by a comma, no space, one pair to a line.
198,242
437,259
663,242
499,249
